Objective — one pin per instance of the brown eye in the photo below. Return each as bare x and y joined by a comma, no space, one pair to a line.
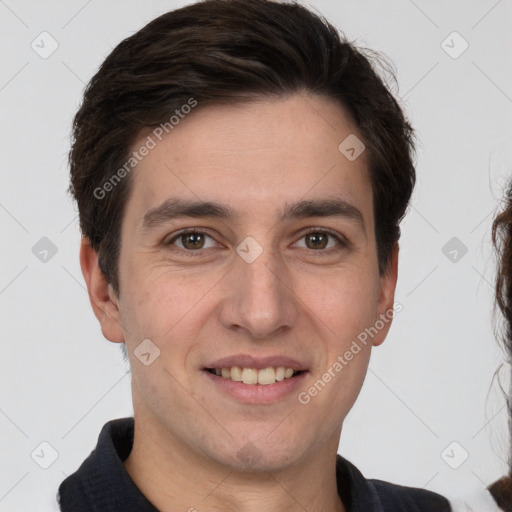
191,241
318,240
324,241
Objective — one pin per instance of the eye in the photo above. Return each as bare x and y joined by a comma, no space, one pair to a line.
191,240
319,239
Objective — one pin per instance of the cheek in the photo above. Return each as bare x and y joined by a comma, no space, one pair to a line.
170,311
348,307
344,302
156,303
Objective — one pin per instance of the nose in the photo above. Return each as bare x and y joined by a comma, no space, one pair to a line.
259,297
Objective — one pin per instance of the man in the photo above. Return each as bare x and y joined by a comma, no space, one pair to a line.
241,172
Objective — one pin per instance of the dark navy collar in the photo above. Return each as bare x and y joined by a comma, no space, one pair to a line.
102,483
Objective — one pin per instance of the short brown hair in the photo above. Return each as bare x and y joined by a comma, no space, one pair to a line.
230,51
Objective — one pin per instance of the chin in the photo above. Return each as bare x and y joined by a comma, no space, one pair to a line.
258,456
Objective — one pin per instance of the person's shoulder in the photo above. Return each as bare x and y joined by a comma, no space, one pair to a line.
398,498
373,495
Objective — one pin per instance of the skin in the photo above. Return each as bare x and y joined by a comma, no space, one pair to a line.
295,300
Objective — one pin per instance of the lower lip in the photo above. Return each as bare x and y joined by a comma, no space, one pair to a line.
257,393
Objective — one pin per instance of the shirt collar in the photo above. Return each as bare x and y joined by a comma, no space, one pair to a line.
102,482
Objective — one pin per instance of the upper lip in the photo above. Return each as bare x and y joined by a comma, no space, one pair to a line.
258,363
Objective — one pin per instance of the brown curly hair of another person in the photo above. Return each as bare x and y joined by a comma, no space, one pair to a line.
501,491
502,243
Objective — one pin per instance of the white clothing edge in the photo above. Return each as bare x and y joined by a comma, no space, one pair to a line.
478,501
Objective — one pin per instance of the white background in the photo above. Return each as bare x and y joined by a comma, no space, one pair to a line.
428,385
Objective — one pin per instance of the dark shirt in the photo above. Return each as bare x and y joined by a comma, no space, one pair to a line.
102,483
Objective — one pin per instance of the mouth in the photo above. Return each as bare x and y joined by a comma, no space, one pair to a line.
255,377
255,380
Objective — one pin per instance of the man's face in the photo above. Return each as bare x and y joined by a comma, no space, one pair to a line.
253,291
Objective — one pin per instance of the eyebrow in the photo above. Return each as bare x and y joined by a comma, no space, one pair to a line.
177,208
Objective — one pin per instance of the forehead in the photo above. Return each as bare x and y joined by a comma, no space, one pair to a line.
255,156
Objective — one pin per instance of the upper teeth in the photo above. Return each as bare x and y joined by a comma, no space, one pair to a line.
254,376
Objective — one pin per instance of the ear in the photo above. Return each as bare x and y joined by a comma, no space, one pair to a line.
386,297
104,301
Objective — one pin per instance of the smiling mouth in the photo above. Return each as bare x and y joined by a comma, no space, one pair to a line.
253,376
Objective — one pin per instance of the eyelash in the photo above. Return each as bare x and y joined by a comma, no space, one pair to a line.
342,241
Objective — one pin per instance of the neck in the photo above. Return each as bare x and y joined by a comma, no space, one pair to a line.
173,477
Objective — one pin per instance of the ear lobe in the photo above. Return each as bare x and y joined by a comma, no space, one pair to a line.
104,301
387,296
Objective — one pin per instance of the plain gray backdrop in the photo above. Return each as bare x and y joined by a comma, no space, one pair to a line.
430,414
